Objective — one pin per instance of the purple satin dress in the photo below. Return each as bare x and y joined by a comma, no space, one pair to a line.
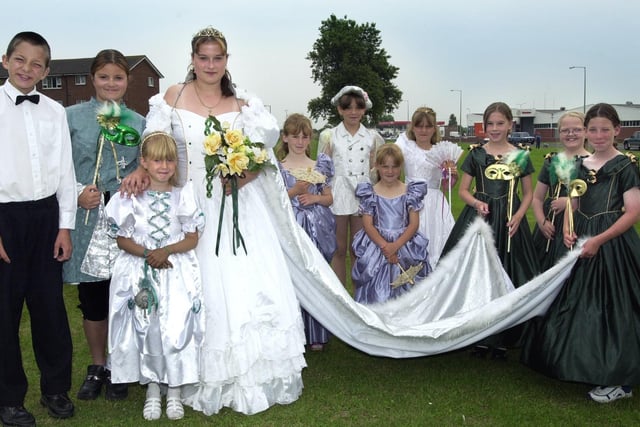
320,224
372,274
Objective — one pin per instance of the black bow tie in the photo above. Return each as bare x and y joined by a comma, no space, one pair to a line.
33,98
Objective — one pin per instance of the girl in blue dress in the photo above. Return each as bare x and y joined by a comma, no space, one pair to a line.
389,242
307,183
110,78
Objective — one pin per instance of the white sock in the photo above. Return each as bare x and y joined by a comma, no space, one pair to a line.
174,392
153,390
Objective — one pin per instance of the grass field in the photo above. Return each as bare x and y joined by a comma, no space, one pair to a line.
346,387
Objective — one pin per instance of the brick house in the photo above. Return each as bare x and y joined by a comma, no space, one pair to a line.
69,82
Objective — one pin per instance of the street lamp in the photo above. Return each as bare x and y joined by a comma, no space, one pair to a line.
407,101
584,89
460,113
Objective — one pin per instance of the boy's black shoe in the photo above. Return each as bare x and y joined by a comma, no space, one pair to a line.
90,388
114,391
58,405
16,416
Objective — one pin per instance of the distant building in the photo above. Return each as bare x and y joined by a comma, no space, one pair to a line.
69,82
545,121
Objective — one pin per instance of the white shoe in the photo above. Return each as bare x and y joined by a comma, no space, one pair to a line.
609,394
152,408
175,410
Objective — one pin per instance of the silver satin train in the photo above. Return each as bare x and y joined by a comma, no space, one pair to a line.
466,298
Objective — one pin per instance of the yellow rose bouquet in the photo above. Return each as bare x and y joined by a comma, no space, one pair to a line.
228,153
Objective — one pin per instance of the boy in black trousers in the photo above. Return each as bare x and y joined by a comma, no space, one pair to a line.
37,210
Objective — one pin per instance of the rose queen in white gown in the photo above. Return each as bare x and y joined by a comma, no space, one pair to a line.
436,220
252,356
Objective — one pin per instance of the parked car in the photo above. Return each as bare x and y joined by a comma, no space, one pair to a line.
521,138
632,141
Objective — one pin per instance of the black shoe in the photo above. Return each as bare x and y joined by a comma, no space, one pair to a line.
16,416
114,391
58,405
90,388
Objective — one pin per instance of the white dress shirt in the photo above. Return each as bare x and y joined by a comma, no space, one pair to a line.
36,150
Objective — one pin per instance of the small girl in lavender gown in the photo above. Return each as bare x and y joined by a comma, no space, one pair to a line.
307,185
389,246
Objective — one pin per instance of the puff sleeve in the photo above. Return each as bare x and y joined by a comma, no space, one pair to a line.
325,142
368,201
416,190
324,165
259,124
120,216
189,213
159,116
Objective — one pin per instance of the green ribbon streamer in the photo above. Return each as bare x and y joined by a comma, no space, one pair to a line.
237,235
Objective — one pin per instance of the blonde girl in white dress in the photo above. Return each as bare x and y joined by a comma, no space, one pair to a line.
156,317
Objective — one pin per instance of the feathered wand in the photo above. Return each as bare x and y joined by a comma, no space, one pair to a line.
561,172
109,115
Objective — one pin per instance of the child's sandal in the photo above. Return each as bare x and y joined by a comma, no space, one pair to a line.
152,408
175,410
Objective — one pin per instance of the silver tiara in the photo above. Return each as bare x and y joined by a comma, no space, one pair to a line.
209,32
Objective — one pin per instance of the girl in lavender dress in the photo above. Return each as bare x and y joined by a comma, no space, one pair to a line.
389,242
307,185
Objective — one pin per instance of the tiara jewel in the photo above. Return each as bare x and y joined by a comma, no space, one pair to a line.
209,32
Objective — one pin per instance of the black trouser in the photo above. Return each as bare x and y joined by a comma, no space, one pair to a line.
28,231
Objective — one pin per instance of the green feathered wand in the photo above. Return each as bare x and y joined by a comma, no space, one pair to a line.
109,116
561,172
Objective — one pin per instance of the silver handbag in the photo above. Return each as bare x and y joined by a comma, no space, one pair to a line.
103,249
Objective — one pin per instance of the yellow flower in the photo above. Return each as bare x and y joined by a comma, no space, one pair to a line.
237,162
225,125
234,138
261,157
212,143
222,169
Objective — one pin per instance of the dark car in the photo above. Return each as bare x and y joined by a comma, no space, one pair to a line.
632,141
521,138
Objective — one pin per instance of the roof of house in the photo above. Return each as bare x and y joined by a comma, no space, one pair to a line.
80,66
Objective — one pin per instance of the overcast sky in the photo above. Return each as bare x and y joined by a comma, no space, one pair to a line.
509,50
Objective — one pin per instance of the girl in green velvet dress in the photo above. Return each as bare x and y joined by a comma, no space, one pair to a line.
591,332
550,195
499,169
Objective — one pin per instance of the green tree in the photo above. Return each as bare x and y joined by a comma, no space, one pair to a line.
347,53
387,118
453,121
